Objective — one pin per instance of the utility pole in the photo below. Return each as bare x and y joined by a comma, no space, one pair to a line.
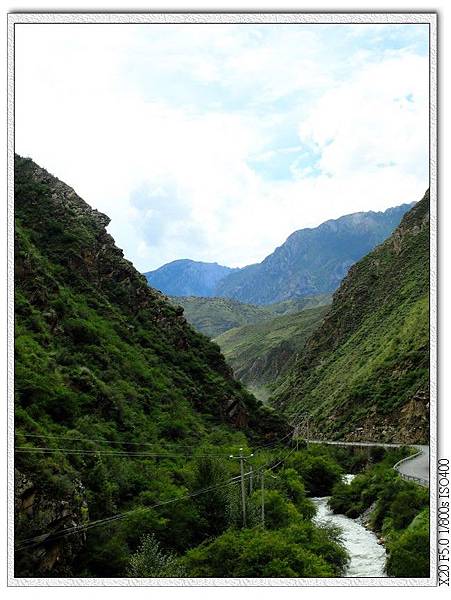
296,436
243,492
251,480
242,458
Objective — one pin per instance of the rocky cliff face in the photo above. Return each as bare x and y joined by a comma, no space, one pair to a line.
364,373
42,516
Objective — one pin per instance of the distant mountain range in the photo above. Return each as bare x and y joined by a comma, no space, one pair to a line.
312,261
188,278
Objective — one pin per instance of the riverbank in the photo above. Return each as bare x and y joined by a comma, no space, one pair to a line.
395,510
367,554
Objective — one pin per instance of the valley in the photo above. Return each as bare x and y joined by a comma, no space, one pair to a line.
140,449
261,353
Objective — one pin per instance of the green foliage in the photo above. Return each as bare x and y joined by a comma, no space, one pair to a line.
214,316
151,561
212,507
106,370
409,553
318,470
298,551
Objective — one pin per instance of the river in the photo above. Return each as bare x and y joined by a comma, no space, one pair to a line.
367,555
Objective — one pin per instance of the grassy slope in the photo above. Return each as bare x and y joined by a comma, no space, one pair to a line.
214,316
260,353
101,356
367,365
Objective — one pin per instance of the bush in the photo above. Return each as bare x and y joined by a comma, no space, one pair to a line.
319,473
262,553
409,554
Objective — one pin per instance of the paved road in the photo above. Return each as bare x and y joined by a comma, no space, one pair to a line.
416,468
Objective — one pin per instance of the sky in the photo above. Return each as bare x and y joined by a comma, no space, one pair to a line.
216,142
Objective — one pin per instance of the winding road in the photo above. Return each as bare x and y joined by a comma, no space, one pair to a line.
416,467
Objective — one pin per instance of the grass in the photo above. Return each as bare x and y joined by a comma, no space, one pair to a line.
214,316
260,353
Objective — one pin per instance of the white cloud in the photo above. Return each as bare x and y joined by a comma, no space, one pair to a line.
175,132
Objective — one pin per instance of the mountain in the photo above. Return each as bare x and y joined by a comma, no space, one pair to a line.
364,374
213,316
260,353
115,394
311,261
188,278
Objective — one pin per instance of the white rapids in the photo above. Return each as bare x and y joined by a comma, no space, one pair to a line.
366,553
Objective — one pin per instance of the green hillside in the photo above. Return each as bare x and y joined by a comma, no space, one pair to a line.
106,370
260,353
364,373
213,316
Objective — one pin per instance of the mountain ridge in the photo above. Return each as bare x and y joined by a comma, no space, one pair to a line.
261,352
185,277
214,316
311,261
105,369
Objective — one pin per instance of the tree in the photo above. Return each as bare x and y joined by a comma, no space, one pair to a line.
151,561
212,507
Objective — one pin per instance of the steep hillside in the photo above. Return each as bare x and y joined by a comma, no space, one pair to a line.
262,352
364,373
213,316
311,261
188,278
115,393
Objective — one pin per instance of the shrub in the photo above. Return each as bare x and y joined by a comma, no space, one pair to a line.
151,561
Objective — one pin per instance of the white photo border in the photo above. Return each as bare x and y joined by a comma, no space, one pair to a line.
373,18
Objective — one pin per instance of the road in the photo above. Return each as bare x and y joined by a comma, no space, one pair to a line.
415,468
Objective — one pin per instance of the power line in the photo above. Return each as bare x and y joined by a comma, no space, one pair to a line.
95,451
126,443
274,442
102,441
36,540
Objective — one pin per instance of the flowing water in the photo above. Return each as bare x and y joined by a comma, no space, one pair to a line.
367,555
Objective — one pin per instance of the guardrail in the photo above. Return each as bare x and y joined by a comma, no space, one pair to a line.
418,480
